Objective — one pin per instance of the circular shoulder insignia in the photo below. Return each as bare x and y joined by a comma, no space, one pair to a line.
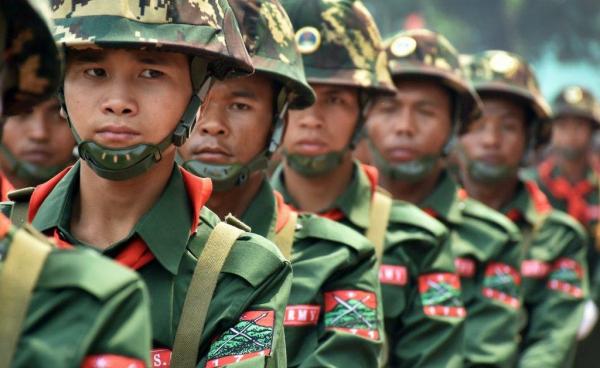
308,40
573,95
403,46
503,63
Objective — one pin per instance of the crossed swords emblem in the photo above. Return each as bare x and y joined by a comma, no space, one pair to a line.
242,333
443,291
351,309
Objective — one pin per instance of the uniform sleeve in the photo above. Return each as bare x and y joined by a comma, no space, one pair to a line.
423,307
555,303
492,325
121,335
350,333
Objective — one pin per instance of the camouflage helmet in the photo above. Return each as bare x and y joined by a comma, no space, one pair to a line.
576,101
340,43
503,72
203,28
423,53
30,56
269,39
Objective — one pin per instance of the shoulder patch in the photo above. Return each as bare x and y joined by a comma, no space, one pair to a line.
502,283
566,276
352,311
86,270
441,295
109,360
313,226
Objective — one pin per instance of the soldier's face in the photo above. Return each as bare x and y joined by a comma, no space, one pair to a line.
41,138
571,132
326,126
414,123
119,98
235,123
499,136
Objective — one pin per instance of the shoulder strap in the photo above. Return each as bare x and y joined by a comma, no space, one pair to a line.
200,293
378,221
20,199
284,239
18,277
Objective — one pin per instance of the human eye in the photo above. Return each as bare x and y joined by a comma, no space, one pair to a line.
152,73
95,72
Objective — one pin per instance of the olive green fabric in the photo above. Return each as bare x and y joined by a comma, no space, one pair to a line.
31,62
84,305
416,247
484,242
326,257
577,101
423,53
553,316
255,276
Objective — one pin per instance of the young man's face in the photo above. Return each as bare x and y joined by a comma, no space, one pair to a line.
325,127
414,123
235,124
42,138
499,136
119,98
571,133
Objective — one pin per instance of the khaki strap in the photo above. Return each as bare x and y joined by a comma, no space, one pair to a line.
284,239
200,293
378,221
18,277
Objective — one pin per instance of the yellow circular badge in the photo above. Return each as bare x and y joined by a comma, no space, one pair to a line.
503,63
403,46
573,95
308,40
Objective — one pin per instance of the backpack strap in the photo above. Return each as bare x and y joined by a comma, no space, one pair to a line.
20,205
378,221
200,293
284,239
18,277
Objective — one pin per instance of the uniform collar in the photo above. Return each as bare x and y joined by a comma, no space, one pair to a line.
261,214
165,228
529,202
354,202
444,201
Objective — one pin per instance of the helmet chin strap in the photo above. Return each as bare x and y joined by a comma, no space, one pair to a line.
314,166
30,173
228,176
128,162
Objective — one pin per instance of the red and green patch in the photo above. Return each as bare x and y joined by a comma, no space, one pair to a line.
566,276
111,361
441,295
251,337
502,283
352,311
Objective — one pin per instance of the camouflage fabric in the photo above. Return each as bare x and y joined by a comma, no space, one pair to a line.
505,73
204,28
340,43
576,101
269,38
31,60
423,53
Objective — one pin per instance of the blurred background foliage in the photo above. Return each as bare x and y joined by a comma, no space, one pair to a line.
561,38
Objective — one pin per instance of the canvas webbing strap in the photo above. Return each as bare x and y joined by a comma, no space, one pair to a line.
284,239
379,217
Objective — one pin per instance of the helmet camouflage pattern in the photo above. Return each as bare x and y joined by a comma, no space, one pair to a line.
576,101
203,28
31,60
423,53
340,43
503,72
269,39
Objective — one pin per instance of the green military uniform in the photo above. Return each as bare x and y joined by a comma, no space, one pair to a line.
554,269
335,299
83,310
484,242
421,332
244,316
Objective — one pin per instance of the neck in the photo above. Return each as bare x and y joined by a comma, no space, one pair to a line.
316,194
413,192
495,195
572,170
236,200
105,211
